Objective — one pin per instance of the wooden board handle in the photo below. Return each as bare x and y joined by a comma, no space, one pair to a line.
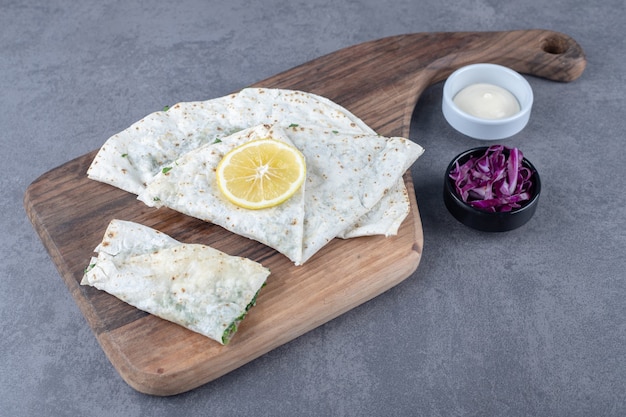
541,53
397,69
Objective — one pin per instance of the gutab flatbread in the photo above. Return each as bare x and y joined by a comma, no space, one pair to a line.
193,285
130,159
347,175
189,186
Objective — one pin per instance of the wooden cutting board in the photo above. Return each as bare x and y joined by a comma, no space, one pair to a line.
379,81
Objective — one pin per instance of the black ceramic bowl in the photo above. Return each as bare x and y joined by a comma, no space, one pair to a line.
484,220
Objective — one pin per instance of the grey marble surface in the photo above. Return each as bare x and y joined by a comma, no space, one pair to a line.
525,323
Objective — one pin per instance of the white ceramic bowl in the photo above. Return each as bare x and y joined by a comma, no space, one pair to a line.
482,128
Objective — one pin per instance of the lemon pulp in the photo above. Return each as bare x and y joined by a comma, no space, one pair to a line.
261,173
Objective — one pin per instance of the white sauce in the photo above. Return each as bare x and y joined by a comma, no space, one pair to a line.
487,101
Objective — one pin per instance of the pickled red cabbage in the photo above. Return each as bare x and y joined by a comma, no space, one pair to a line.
495,181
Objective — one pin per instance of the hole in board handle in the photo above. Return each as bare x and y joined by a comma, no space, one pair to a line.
554,45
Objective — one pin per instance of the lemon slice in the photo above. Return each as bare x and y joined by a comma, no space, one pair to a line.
261,173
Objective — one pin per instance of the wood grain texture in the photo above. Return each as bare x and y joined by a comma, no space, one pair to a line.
380,81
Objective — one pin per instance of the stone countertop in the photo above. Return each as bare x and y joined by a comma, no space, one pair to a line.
523,323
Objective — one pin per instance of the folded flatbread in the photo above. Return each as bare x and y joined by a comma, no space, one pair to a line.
347,175
130,159
193,285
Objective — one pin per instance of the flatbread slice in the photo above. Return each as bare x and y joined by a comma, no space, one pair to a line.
347,175
352,179
193,285
189,186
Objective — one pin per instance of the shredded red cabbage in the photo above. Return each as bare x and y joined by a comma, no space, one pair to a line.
495,181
